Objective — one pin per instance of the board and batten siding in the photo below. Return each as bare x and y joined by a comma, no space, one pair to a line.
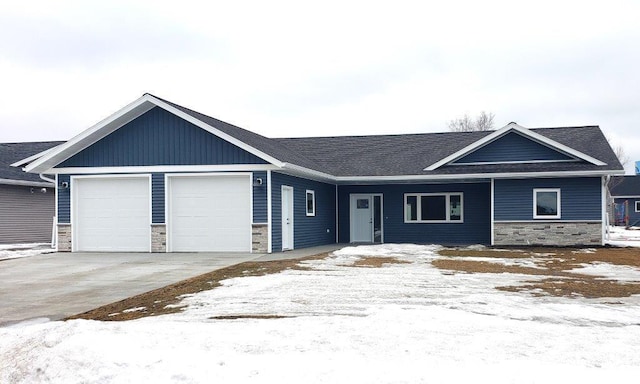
476,228
308,231
512,147
159,137
26,214
580,198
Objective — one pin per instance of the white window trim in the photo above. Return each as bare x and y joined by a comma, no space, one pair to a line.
535,203
306,202
637,205
447,196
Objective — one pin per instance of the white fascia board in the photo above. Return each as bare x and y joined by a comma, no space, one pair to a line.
308,173
91,135
213,130
163,169
26,183
34,157
525,132
487,176
626,197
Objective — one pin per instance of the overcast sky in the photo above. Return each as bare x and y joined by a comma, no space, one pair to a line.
301,68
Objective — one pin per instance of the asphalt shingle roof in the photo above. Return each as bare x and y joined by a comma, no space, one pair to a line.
12,152
409,154
625,186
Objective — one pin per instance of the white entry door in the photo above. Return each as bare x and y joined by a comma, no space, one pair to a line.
287,218
361,218
209,213
111,214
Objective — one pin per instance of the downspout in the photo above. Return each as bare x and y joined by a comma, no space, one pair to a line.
605,205
54,225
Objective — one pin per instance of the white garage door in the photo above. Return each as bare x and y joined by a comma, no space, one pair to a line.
111,214
209,213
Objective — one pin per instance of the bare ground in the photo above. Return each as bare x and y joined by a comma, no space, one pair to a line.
556,263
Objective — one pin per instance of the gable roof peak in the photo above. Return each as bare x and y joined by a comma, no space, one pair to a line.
514,127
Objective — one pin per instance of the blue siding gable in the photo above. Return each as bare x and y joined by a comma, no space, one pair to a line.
580,198
159,137
512,147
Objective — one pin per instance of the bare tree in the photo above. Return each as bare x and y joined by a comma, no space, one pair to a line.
622,155
483,122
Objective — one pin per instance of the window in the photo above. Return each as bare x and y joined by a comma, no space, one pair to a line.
311,203
638,206
546,203
433,207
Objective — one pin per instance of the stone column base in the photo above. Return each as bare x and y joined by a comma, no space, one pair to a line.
158,238
259,238
559,234
64,237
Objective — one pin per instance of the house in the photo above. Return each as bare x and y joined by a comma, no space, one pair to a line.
159,177
26,200
625,192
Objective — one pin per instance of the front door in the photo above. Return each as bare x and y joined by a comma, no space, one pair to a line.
287,218
366,218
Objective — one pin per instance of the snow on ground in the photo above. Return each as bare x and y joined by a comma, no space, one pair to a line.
14,251
402,323
622,237
610,271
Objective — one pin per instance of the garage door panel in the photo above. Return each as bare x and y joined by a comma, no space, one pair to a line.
210,213
112,214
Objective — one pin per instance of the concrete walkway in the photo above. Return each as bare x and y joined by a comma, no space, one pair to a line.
58,285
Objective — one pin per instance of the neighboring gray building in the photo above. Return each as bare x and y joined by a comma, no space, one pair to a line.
27,202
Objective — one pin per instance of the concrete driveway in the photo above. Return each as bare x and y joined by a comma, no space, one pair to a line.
57,285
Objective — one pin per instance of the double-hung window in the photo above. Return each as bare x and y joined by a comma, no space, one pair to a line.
433,208
638,206
546,203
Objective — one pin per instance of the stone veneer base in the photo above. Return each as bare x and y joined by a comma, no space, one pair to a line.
259,238
158,238
64,237
547,233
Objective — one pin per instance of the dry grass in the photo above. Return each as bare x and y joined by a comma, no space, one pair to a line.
557,263
377,262
155,302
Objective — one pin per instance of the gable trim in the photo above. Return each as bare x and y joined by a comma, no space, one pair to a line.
523,131
215,131
137,108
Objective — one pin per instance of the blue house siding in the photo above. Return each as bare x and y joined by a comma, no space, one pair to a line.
476,228
309,231
64,200
260,198
157,198
160,138
512,147
580,198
